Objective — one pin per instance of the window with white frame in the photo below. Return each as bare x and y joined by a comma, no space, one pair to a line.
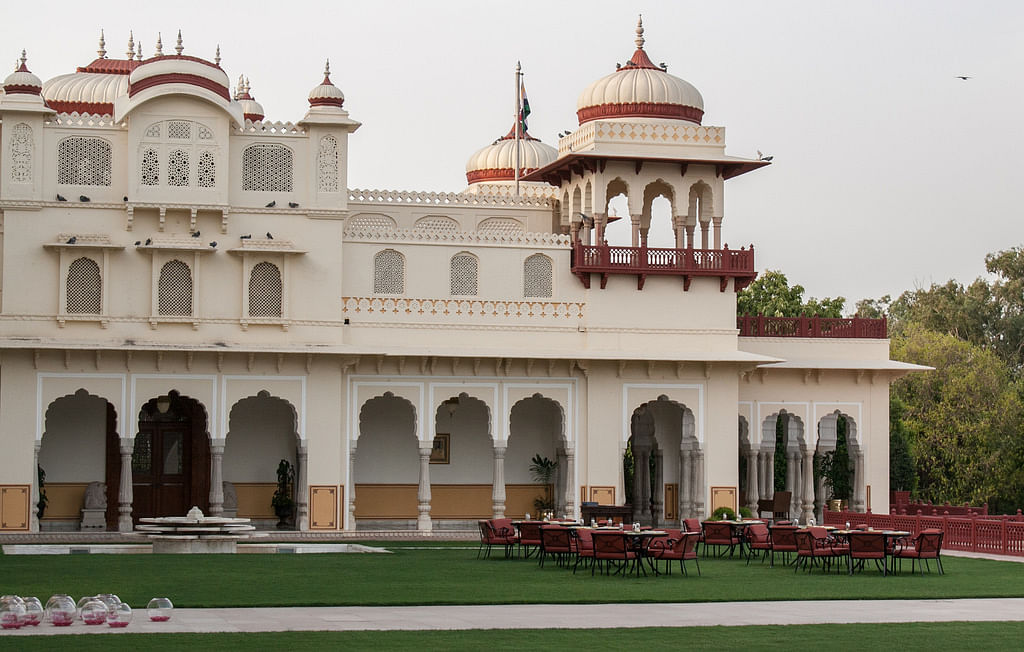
388,272
185,149
149,167
177,168
83,161
174,289
84,287
207,176
265,291
537,273
464,275
267,167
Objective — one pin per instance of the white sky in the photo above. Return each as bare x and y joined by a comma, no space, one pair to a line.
889,172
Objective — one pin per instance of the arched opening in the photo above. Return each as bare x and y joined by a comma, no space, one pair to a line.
80,456
171,458
618,231
660,478
783,434
536,429
699,211
656,218
461,471
262,432
386,466
838,460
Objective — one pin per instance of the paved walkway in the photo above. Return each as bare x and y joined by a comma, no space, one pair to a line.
544,616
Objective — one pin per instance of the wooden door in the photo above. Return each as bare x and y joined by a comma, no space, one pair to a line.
162,469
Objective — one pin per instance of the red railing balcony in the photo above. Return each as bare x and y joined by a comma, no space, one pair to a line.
605,259
852,327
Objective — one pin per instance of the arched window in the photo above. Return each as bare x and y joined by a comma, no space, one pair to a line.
327,164
174,289
388,272
464,275
267,168
207,175
83,162
149,168
537,272
84,288
265,290
22,148
177,167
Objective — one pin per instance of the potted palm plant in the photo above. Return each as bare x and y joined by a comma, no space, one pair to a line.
543,470
283,501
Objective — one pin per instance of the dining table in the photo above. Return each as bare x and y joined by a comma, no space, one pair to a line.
891,536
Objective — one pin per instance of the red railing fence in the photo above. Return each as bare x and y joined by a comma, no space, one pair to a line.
828,327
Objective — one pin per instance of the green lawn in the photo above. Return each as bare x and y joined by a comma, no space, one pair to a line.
448,575
908,636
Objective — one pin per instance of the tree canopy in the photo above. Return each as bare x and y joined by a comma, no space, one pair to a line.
771,295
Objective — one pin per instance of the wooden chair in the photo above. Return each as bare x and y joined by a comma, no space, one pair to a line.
782,501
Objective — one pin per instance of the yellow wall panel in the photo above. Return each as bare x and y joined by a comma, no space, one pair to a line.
65,500
254,499
386,501
323,507
14,506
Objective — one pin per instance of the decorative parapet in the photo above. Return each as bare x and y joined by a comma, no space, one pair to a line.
464,307
421,198
527,190
824,327
85,120
591,133
264,127
377,234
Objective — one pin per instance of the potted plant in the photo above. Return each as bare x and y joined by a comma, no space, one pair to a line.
543,470
723,514
835,467
283,501
43,500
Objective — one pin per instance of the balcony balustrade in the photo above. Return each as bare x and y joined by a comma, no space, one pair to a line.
844,327
722,263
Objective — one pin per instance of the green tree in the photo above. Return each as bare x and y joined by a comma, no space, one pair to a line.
771,295
1007,293
902,469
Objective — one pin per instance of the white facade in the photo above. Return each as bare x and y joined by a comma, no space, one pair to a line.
191,293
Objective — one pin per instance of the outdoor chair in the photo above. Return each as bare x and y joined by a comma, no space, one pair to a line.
759,539
783,541
766,505
496,532
865,546
719,535
611,548
584,547
814,545
555,541
927,544
529,539
679,545
691,525
782,499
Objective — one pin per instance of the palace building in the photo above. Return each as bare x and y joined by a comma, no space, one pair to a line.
191,293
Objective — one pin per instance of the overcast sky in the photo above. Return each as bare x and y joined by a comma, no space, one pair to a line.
889,173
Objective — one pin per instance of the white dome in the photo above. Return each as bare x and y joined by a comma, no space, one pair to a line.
640,89
22,80
497,161
326,94
251,109
78,90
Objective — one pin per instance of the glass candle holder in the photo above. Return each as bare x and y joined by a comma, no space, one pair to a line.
33,611
159,609
120,615
60,610
109,599
12,612
94,612
81,603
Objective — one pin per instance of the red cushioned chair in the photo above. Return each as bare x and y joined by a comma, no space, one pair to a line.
813,545
496,532
681,546
556,541
864,546
759,539
719,535
927,544
529,538
611,548
783,540
584,547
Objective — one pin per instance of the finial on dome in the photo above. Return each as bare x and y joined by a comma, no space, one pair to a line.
102,52
159,45
131,46
640,33
327,71
178,47
247,86
138,54
23,67
216,57
239,87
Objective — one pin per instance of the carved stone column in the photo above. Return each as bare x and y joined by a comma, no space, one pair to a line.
125,494
635,229
217,476
351,524
423,522
600,220
679,229
498,482
570,481
808,473
704,239
685,483
690,228
798,485
752,481
700,490
574,230
717,226
642,485
859,486
302,488
819,493
658,502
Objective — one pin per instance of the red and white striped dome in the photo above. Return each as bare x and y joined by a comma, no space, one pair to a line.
640,89
22,81
497,161
326,94
251,109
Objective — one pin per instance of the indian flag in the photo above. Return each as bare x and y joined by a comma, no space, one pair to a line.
524,109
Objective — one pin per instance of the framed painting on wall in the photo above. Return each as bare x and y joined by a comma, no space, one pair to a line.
441,454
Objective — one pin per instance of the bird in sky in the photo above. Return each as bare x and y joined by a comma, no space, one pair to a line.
964,77
272,204
61,197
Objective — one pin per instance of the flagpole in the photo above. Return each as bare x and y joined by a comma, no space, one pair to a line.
519,117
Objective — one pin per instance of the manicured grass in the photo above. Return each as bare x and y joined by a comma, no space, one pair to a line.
449,575
904,636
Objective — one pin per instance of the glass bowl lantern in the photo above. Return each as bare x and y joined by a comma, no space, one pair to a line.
159,609
120,615
60,610
33,611
12,612
94,612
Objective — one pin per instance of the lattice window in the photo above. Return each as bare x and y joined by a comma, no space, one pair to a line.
21,153
437,223
174,289
149,168
204,132
267,168
265,290
537,272
464,275
84,288
153,130
327,164
83,162
179,130
177,168
207,174
388,272
375,222
142,455
502,225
